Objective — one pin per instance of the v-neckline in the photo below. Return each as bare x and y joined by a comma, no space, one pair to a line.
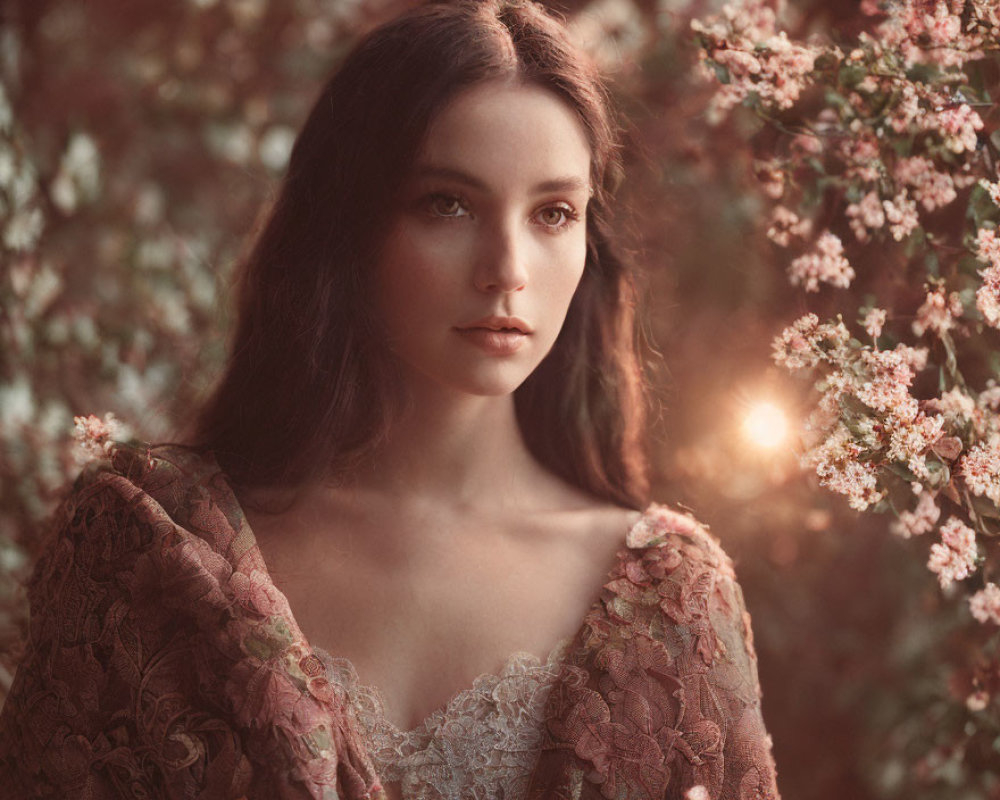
566,642
551,661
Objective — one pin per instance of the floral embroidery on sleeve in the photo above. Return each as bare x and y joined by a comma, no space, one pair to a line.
661,696
162,661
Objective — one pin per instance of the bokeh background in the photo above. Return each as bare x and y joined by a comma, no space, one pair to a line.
140,143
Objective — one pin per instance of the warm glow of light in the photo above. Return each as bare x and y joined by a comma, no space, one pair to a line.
765,425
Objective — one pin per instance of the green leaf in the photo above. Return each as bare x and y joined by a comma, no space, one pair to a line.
837,100
851,74
903,471
851,406
984,507
970,265
916,242
721,73
994,359
902,145
982,209
951,360
932,263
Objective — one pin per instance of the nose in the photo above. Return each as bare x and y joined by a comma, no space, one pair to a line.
501,265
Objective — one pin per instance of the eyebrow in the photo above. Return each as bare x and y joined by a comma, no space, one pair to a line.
568,183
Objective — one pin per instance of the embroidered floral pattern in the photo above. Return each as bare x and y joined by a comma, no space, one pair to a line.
163,662
481,746
661,696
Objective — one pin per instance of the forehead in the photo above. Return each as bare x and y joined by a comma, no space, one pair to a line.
507,134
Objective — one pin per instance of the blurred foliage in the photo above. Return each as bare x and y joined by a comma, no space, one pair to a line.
140,142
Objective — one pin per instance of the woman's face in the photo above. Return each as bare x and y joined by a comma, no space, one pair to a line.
488,241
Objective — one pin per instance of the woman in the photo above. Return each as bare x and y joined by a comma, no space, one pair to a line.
421,471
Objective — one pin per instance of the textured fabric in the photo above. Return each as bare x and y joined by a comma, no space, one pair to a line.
481,746
163,662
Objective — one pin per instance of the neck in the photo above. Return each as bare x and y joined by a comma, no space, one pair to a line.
455,450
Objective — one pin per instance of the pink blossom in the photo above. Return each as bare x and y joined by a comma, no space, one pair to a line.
938,312
988,296
942,27
931,32
697,793
886,388
993,189
835,462
989,398
866,215
826,415
957,126
919,521
874,320
988,246
95,437
987,12
955,404
910,439
914,357
825,263
927,186
862,155
980,468
907,111
739,62
785,224
964,176
985,604
808,144
806,342
954,558
978,700
761,61
901,212
868,84
772,180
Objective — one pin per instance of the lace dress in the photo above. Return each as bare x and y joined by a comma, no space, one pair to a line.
163,662
482,745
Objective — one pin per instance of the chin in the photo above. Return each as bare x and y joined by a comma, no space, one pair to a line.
496,379
481,377
498,385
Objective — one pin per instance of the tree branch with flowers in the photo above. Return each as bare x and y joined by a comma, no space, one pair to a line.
878,152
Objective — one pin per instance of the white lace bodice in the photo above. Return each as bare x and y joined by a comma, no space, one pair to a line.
482,745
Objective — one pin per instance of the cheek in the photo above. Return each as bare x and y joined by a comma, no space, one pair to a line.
559,282
411,275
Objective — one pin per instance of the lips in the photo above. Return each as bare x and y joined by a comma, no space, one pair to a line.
495,342
510,325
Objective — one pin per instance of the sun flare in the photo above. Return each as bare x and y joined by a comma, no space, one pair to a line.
765,425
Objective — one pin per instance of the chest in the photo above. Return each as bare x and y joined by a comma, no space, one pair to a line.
420,625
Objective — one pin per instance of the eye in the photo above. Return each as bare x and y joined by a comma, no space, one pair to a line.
557,217
446,205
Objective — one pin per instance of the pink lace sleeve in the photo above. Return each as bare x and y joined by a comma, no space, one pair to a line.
662,695
101,707
161,661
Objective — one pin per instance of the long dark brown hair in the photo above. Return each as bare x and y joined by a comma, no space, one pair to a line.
309,388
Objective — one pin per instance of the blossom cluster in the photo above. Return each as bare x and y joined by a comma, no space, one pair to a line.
898,143
94,437
985,604
988,251
954,557
759,60
888,130
825,263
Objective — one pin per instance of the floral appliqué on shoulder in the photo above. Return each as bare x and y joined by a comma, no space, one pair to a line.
660,695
